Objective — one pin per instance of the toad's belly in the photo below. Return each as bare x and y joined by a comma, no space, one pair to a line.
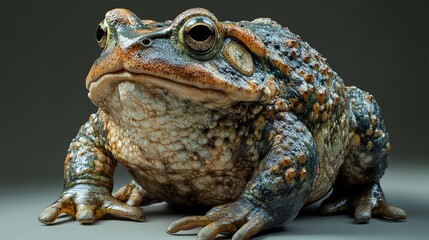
195,171
192,187
190,173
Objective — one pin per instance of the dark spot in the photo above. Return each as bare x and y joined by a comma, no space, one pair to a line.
187,103
170,188
158,25
211,142
277,47
251,129
205,130
195,153
226,140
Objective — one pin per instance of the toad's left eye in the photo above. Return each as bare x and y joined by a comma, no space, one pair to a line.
199,35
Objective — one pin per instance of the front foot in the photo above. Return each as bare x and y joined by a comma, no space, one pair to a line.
88,203
242,218
364,203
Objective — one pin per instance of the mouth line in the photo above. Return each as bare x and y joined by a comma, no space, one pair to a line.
188,91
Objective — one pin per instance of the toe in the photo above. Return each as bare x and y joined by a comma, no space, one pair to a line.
51,213
252,227
187,223
120,209
226,225
123,193
135,198
85,214
364,204
390,212
362,214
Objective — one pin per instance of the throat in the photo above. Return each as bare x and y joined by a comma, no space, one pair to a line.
171,130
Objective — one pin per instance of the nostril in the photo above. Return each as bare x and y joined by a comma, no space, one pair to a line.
146,42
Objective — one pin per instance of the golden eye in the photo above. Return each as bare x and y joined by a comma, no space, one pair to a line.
199,35
102,35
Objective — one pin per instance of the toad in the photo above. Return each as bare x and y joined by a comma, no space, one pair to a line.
243,117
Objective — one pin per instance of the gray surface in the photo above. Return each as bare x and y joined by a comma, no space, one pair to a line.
406,187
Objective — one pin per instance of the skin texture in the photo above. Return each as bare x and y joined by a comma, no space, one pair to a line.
244,117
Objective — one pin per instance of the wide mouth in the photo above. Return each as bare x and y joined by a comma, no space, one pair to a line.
97,89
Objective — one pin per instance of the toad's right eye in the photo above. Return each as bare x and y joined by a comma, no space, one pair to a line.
102,35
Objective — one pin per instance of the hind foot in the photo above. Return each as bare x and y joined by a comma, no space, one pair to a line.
364,203
134,195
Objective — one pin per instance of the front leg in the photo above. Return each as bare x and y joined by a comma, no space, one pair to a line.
88,173
275,194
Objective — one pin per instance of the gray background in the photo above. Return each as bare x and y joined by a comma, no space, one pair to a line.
47,48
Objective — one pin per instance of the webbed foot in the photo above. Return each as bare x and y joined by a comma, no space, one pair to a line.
241,218
364,203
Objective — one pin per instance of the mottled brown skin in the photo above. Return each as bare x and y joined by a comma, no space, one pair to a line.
245,117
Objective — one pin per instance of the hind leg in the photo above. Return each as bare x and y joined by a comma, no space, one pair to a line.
357,188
